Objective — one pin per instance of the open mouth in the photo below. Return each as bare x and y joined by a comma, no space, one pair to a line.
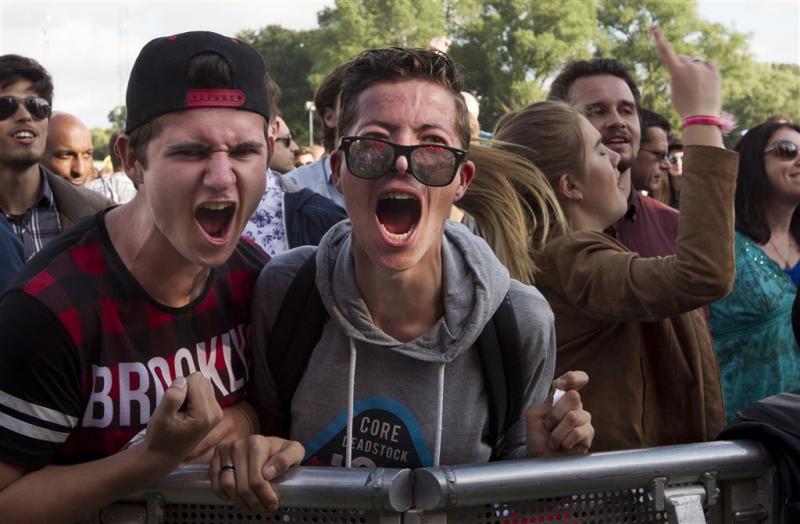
215,218
24,136
398,214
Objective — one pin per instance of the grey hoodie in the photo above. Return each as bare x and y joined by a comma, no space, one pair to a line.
412,404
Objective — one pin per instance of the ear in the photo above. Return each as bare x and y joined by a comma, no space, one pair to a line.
568,188
337,164
465,175
130,164
329,117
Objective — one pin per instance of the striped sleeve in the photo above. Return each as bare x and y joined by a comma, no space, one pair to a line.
39,382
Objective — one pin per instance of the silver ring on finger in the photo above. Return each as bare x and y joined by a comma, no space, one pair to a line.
228,467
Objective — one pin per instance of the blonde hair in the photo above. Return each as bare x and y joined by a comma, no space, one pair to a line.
514,207
548,134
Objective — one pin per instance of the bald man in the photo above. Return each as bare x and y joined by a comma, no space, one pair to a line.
69,150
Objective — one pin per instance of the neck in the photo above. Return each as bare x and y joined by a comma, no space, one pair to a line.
778,216
20,188
404,304
163,273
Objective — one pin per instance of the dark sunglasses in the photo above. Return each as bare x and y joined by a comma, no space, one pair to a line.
285,140
673,158
784,150
432,164
38,107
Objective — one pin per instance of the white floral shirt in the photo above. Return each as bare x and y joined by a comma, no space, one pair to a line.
266,226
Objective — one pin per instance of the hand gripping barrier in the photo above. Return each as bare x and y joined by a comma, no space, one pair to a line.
715,482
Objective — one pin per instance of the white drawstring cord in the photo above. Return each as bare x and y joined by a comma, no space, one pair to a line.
437,451
350,394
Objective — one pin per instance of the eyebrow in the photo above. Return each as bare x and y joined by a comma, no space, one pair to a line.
202,147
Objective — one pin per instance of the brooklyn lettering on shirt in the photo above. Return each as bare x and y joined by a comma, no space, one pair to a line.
126,393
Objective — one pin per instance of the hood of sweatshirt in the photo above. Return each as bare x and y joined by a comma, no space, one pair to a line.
474,285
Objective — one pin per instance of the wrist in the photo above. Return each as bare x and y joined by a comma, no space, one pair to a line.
151,464
701,120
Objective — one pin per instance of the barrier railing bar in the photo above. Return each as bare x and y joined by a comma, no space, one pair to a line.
509,481
376,489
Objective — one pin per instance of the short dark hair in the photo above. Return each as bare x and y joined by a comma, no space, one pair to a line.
204,71
559,89
652,119
396,64
15,67
752,185
325,97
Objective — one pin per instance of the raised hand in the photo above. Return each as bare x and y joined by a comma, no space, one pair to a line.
564,427
696,83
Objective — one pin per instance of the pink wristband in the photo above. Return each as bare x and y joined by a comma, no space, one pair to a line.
701,120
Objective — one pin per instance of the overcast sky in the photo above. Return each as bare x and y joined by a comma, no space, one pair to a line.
89,46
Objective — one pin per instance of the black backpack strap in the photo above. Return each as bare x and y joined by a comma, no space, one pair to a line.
295,333
500,350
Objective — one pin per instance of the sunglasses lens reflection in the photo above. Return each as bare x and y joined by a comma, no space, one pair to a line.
786,150
38,107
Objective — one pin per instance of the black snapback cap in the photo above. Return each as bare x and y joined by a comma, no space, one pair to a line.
157,84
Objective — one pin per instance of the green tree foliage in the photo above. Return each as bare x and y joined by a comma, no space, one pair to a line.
117,117
753,91
351,26
289,60
100,138
509,48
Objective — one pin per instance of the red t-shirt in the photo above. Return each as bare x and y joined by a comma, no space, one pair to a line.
87,353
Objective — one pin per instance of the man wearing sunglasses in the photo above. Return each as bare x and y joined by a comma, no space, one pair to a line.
395,379
37,203
285,146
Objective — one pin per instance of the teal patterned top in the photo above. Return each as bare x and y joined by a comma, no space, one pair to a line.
752,328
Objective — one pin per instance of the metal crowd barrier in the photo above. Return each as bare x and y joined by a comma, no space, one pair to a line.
716,482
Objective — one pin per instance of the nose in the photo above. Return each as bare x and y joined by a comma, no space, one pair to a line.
401,164
219,174
613,157
664,163
615,119
22,113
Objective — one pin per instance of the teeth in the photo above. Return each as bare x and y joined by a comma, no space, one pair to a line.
399,196
23,134
398,236
216,206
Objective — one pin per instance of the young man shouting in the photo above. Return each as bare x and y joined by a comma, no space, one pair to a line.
136,318
396,378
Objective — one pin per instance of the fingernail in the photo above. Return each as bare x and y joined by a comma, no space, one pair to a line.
269,472
272,508
179,382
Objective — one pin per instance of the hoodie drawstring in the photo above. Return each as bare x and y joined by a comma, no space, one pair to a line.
351,386
437,451
351,383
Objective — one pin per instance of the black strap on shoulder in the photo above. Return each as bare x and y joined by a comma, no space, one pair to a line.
295,333
500,350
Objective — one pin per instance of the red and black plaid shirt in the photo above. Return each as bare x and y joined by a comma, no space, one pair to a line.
87,353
